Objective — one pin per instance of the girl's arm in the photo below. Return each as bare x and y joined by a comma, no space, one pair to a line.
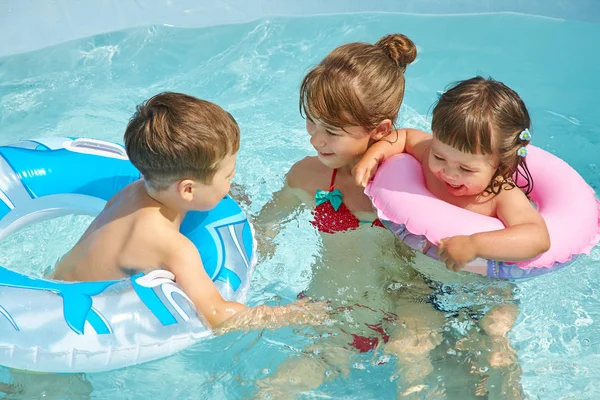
525,236
411,141
282,205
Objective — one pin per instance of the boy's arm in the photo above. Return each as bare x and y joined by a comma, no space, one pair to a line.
302,312
191,277
411,141
185,263
524,237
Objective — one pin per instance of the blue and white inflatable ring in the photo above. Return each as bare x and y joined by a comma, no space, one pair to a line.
52,326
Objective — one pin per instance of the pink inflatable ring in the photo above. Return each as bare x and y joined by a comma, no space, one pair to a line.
421,220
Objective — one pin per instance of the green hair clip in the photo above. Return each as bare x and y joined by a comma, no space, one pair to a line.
525,134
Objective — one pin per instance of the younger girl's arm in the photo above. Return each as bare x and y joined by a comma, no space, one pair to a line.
411,141
524,237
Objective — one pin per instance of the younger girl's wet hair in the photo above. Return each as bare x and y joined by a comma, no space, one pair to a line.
358,83
484,116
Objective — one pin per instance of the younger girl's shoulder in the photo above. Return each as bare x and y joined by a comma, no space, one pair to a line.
512,200
511,192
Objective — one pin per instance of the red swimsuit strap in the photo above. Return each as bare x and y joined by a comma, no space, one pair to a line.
331,185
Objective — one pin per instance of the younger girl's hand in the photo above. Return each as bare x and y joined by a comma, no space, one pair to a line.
457,251
365,169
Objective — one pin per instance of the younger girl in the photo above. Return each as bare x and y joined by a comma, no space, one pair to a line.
479,142
476,160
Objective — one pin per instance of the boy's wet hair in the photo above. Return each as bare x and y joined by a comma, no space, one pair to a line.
484,116
175,136
358,83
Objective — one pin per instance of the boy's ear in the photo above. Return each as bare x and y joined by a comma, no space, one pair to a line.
382,130
185,188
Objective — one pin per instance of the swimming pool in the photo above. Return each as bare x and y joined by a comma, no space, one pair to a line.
89,87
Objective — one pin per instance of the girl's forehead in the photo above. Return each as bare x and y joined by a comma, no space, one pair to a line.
455,155
326,125
352,130
332,124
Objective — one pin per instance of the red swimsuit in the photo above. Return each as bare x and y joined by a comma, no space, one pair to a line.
331,214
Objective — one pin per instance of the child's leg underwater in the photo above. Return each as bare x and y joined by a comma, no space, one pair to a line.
505,372
28,384
325,360
493,357
417,331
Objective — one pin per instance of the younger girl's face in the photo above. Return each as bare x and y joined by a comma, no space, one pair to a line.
463,174
337,147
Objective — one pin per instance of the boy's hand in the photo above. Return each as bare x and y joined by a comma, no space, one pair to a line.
366,167
302,312
307,312
457,251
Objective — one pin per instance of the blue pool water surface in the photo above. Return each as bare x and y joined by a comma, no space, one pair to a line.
90,87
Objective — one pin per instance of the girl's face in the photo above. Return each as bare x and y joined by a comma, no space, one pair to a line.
463,174
337,147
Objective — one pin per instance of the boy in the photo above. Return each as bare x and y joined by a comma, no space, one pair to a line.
185,149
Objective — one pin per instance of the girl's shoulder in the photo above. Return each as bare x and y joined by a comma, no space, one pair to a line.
418,144
511,196
305,172
509,200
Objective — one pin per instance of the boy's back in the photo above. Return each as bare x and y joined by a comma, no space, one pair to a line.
134,233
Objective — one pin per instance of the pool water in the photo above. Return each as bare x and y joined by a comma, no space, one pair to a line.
90,87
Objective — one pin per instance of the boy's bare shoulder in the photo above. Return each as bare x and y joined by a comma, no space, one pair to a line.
151,229
153,222
158,233
180,253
